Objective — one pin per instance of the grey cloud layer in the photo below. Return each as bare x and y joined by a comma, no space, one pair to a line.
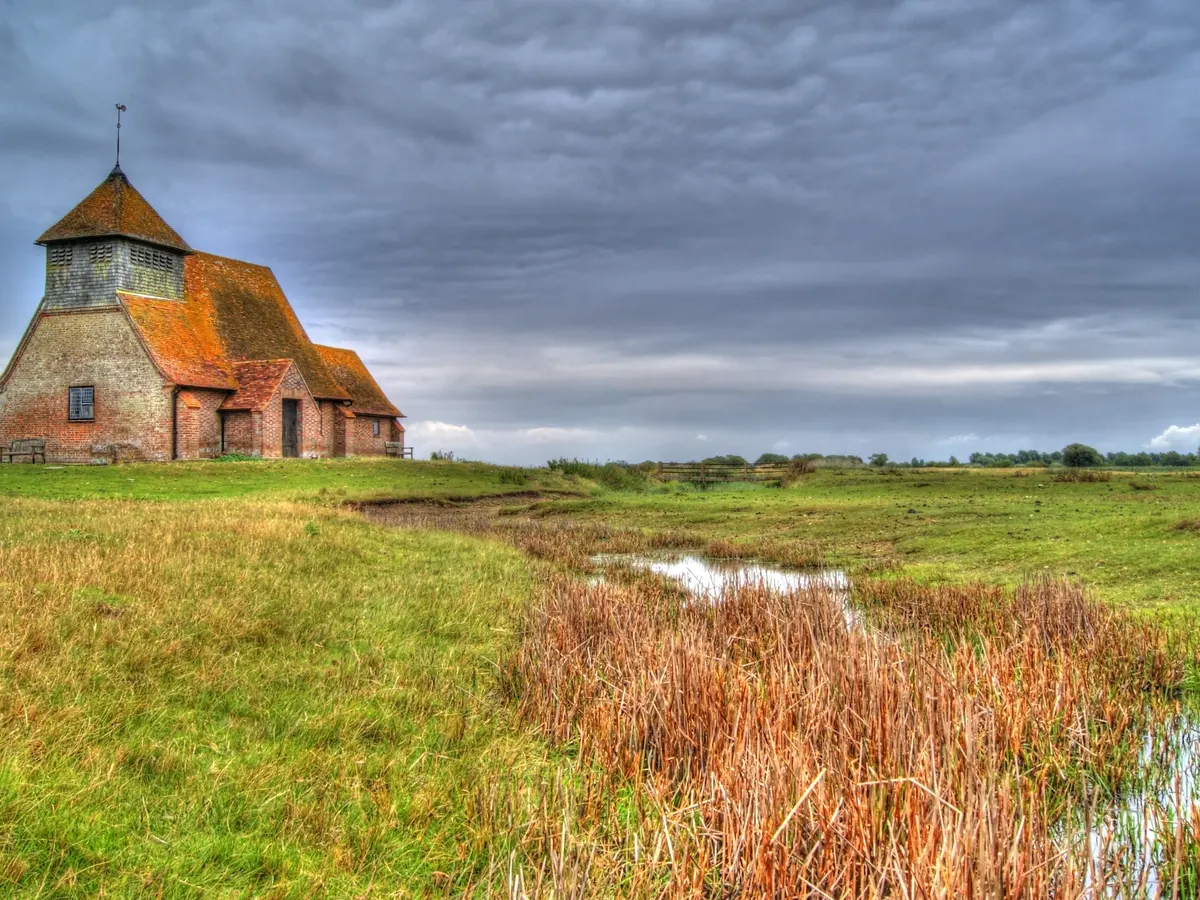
545,214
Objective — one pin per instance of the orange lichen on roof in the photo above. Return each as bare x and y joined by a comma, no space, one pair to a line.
258,380
368,398
115,208
253,318
182,340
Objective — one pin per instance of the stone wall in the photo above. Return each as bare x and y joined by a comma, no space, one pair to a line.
86,274
95,348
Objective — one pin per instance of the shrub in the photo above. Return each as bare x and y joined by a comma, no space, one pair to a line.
832,462
513,476
612,475
798,467
771,459
442,456
879,459
1086,475
1081,456
731,459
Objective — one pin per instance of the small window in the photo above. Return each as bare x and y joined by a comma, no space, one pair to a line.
81,404
60,256
375,427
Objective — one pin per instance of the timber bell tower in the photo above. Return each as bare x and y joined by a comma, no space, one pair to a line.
113,240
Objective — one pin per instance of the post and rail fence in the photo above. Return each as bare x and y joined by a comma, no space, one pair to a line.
713,473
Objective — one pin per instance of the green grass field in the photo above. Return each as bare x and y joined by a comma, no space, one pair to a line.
996,525
223,699
326,480
220,680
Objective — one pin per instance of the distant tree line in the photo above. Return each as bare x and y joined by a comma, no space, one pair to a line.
1077,455
1072,456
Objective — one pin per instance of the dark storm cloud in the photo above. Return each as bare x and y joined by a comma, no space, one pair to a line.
627,227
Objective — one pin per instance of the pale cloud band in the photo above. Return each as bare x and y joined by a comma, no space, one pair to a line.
1177,437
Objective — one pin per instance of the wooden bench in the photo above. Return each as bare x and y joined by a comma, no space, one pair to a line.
395,448
22,447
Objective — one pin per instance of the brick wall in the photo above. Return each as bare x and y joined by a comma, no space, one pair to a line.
361,439
86,274
336,438
96,348
243,432
327,441
309,424
198,423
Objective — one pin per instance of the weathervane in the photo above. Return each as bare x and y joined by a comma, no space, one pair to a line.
120,109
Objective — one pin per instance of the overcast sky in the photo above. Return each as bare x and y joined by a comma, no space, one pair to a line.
633,229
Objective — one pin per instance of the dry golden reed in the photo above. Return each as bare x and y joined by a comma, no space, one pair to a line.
765,746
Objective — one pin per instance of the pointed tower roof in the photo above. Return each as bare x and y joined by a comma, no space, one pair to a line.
115,208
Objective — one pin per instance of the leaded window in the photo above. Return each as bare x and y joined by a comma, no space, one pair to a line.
81,404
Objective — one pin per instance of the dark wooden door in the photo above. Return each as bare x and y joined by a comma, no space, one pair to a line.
291,438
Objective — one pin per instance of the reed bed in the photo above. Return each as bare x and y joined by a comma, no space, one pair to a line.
573,544
793,554
964,745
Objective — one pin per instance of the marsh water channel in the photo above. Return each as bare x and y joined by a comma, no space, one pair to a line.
1134,825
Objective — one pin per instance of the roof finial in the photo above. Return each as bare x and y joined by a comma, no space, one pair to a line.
120,109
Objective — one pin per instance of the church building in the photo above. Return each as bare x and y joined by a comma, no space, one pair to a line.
145,349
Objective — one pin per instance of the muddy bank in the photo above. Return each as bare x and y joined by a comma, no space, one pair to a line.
456,501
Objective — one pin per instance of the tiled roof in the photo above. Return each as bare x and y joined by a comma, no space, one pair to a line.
258,379
188,399
233,313
182,339
368,398
115,208
252,318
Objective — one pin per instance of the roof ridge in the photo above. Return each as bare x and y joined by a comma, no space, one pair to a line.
119,182
232,259
336,349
